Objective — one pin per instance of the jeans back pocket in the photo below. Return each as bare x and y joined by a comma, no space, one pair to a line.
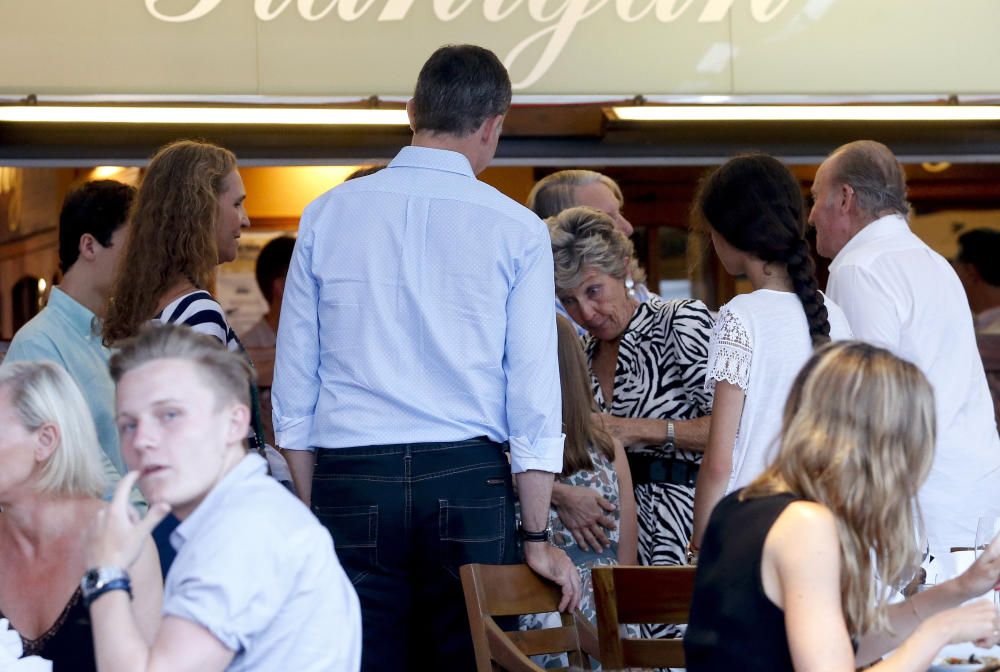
355,537
472,530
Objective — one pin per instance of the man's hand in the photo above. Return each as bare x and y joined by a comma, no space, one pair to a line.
582,511
552,563
116,536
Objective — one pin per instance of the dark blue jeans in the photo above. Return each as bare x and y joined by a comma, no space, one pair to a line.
404,518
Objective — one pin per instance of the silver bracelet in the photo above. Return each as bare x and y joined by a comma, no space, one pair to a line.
670,433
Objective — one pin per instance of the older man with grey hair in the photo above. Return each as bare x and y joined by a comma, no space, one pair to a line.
899,293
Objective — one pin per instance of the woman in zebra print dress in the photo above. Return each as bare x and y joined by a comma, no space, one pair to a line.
648,363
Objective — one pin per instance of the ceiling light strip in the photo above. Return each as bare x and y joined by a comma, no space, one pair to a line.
919,113
291,116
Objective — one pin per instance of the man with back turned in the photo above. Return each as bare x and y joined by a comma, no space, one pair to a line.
417,341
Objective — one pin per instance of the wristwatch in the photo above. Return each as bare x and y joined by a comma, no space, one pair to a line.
99,580
544,535
670,433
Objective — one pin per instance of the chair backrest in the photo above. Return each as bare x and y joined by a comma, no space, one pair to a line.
513,590
626,595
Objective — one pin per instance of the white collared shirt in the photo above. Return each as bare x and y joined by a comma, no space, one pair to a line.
256,569
900,294
418,308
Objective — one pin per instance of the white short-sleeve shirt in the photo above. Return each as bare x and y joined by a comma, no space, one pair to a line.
900,294
760,342
256,569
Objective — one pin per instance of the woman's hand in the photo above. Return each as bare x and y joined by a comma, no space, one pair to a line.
627,430
977,622
116,536
582,511
984,572
688,434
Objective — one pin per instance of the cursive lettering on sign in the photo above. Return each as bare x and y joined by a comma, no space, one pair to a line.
559,20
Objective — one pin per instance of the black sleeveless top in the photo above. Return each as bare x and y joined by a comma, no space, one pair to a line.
733,624
69,643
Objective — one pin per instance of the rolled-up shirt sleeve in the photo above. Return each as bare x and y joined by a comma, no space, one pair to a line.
296,386
530,362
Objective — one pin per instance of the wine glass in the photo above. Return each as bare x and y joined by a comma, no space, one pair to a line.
986,532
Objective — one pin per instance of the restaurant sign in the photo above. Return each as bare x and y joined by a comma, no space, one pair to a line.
617,47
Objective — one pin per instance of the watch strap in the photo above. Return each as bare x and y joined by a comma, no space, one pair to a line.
542,536
99,580
123,583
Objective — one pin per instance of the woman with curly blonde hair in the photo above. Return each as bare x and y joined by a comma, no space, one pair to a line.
186,220
801,563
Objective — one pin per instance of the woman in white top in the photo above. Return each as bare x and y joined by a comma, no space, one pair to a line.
753,208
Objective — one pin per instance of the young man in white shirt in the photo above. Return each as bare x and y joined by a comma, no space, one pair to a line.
256,584
900,294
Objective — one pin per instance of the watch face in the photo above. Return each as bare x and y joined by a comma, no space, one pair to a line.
91,577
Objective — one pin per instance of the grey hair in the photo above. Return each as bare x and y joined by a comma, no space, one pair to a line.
40,393
554,193
583,238
878,180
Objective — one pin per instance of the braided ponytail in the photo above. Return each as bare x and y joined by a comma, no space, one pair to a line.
755,203
802,272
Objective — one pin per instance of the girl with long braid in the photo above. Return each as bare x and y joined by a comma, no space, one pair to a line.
753,209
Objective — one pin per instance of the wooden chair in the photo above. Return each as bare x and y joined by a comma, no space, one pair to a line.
641,595
513,590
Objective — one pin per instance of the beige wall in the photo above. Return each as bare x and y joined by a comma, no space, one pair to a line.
620,47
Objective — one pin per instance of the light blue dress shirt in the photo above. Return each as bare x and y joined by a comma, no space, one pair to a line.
67,333
418,308
256,569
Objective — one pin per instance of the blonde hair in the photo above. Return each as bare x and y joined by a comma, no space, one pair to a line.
585,237
578,405
554,193
228,373
172,235
858,437
40,393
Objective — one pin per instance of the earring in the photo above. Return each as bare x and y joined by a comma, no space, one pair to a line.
630,286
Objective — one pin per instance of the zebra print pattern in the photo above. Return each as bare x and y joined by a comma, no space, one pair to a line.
660,373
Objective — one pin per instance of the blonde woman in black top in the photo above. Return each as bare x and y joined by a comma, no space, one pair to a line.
796,570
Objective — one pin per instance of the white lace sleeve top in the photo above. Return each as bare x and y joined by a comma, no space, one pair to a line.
760,342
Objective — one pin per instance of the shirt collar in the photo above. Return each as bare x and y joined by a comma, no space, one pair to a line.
252,464
435,159
79,316
889,226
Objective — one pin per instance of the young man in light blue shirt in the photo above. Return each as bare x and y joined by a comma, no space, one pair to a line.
255,584
92,234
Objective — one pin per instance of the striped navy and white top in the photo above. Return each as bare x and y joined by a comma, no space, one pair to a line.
200,311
